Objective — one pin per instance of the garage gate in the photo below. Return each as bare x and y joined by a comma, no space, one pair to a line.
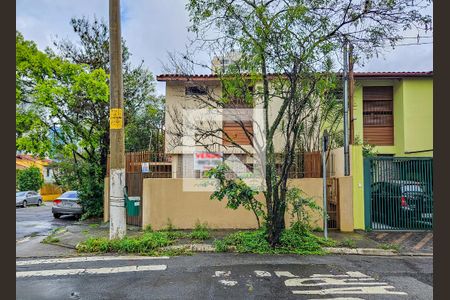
398,193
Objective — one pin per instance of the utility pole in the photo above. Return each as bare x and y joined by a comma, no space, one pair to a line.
117,224
350,92
346,140
324,182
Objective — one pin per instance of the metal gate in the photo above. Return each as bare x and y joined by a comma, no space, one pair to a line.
333,203
159,166
398,193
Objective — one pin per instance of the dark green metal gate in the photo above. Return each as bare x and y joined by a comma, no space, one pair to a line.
398,193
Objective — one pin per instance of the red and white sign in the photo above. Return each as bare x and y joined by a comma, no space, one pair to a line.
207,160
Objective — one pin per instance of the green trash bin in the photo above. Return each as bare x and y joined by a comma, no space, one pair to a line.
132,205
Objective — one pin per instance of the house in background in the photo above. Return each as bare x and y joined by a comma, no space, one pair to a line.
24,161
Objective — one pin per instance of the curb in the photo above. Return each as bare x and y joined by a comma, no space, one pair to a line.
193,247
373,251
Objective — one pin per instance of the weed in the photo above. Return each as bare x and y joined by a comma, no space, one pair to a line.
221,246
148,228
387,246
85,231
146,243
200,232
348,243
94,225
50,240
296,240
169,225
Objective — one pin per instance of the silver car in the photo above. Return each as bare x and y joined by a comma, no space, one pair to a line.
67,204
28,197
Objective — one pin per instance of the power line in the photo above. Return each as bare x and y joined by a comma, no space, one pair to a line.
413,44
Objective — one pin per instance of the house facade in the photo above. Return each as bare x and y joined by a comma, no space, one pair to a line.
391,111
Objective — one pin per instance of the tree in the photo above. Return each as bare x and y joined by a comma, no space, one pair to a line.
288,47
29,179
60,112
138,82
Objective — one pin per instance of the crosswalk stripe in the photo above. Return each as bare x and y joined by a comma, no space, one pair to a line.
422,243
64,272
84,259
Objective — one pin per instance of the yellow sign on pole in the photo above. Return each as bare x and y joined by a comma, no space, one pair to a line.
115,118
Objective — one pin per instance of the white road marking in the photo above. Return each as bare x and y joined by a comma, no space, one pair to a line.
23,240
222,274
262,274
374,290
84,259
339,298
228,282
326,281
65,272
284,274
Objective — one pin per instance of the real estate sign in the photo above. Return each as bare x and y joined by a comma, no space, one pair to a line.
206,160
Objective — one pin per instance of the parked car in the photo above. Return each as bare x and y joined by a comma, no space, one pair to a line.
67,204
402,203
28,197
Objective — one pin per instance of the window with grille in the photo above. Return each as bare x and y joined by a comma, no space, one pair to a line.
378,117
237,124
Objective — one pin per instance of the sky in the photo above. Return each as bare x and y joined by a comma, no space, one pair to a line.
151,28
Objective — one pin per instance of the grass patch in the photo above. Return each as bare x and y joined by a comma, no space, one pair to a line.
201,232
50,240
295,240
149,243
388,246
348,243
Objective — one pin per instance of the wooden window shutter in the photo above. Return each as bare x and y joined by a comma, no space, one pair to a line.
378,117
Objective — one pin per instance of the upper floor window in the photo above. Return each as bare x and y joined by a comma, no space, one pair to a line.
378,117
195,90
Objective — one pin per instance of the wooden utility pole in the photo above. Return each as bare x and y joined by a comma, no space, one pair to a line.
117,224
351,89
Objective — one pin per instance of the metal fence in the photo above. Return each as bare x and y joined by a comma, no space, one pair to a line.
398,193
159,166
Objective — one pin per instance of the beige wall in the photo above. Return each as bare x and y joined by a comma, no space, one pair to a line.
346,203
164,199
176,101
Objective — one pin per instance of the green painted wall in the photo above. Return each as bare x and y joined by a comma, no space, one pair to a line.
413,129
357,173
418,117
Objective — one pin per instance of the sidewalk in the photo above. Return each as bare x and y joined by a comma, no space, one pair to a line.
65,240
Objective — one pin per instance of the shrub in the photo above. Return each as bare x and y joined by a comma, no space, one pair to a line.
146,243
200,232
297,240
29,179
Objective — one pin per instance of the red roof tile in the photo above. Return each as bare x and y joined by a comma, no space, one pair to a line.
181,77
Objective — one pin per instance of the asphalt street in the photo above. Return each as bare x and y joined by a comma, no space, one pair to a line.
38,220
226,276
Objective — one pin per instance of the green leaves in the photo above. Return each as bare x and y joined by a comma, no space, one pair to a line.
29,179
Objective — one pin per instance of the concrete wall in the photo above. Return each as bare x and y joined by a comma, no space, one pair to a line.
106,200
164,199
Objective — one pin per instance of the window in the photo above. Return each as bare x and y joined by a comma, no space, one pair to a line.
48,172
378,118
195,90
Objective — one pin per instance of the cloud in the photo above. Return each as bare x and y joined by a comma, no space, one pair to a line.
153,27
